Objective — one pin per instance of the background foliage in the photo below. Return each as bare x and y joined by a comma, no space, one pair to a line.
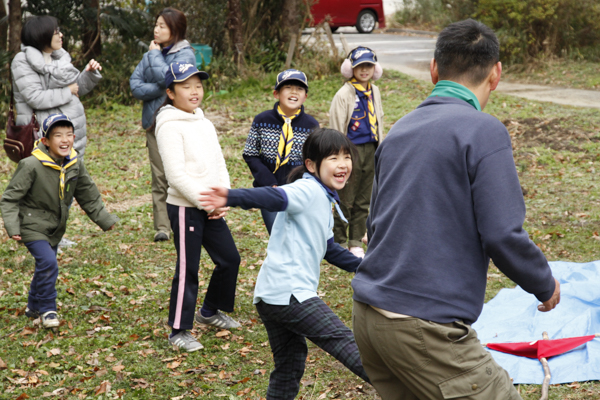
527,29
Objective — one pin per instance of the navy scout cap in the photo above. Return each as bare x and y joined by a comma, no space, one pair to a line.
179,72
53,119
361,55
291,75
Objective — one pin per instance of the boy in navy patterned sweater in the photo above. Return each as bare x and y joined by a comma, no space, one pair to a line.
274,144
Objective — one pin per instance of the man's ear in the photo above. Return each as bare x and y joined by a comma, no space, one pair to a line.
170,94
311,166
495,75
433,70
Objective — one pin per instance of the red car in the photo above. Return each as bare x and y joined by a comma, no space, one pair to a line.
364,14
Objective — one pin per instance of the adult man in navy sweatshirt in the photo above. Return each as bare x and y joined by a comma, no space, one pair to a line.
446,198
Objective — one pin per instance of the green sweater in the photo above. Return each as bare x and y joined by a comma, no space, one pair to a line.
31,206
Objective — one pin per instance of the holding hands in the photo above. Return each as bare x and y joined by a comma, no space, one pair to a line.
215,199
93,65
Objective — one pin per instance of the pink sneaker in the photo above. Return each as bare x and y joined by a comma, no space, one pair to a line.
357,251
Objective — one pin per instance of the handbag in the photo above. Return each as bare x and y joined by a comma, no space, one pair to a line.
20,139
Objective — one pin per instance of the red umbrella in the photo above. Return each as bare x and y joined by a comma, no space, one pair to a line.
542,350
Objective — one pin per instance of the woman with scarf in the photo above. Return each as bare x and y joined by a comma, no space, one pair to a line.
44,80
148,84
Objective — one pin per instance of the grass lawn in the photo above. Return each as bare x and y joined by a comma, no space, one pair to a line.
557,72
113,288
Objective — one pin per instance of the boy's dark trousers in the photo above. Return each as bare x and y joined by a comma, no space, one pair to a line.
42,291
191,230
289,326
355,198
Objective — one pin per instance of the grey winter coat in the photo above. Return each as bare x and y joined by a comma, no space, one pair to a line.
148,79
43,88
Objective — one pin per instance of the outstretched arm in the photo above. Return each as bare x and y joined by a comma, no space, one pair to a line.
341,257
271,199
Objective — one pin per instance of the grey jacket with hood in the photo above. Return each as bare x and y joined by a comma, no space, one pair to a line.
43,88
148,79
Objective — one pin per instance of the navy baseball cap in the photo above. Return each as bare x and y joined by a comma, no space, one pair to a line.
291,75
179,72
52,120
361,55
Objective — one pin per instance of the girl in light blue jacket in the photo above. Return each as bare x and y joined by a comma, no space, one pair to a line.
148,84
285,295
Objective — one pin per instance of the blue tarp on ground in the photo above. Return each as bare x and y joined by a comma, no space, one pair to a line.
512,316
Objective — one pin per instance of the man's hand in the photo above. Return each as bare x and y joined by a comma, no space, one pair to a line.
16,237
553,301
214,199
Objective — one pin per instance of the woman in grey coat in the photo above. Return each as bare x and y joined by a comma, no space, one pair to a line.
45,81
148,84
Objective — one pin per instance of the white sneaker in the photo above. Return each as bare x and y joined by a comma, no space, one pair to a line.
357,251
185,341
218,320
50,319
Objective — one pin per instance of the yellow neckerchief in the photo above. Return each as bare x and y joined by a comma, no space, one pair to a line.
372,118
286,140
49,162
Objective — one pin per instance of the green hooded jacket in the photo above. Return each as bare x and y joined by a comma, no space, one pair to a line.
31,206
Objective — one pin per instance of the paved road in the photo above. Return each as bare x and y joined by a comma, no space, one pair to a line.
411,55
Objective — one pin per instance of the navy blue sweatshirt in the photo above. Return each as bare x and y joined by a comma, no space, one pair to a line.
260,152
446,198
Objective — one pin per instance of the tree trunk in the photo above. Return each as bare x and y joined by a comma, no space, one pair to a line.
14,25
91,40
3,27
234,25
290,19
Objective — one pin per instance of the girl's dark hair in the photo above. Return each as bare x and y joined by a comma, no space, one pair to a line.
38,31
167,101
176,22
319,145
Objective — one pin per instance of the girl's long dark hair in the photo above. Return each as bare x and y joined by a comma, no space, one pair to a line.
319,145
167,101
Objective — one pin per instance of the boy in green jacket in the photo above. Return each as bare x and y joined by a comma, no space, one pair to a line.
35,208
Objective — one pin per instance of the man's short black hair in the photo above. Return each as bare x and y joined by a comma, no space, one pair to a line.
466,49
38,31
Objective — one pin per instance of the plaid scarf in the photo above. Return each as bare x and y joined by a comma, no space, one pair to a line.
286,140
369,93
46,160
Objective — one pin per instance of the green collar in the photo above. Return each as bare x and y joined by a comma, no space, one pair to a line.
456,90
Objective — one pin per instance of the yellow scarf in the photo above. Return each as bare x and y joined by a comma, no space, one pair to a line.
286,140
49,162
372,118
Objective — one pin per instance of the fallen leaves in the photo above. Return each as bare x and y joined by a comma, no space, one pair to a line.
103,388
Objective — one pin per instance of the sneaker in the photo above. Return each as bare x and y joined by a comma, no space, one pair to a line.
219,320
32,313
64,243
161,236
185,341
357,251
50,319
